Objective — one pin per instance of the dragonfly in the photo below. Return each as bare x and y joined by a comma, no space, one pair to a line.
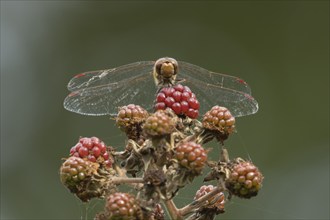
102,92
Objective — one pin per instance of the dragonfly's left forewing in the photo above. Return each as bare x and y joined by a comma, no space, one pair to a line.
218,89
188,70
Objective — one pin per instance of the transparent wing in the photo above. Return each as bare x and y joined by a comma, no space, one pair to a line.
103,77
218,89
102,92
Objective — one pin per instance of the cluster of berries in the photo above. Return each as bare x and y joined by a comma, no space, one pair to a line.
75,170
125,206
167,157
159,124
191,155
130,114
219,119
84,171
180,99
93,149
121,204
245,179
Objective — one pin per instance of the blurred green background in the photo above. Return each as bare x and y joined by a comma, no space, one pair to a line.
281,48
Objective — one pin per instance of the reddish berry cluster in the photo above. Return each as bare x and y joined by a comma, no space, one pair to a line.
218,201
121,206
219,119
93,149
245,180
131,114
158,124
191,155
180,99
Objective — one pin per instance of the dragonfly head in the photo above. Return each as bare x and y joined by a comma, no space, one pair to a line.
166,67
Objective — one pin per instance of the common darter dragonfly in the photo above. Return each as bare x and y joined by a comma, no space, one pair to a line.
102,92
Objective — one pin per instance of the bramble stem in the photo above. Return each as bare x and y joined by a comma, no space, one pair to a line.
197,203
172,210
121,172
119,180
224,156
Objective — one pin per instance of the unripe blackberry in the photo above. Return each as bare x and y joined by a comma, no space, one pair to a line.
94,150
130,115
245,180
78,176
217,201
159,124
122,206
219,119
130,119
75,170
180,99
191,155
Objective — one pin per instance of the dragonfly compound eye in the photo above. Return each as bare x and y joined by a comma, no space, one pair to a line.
166,67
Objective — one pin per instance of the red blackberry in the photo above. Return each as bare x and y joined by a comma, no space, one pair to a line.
180,99
191,155
218,201
219,119
245,180
92,149
158,124
122,206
